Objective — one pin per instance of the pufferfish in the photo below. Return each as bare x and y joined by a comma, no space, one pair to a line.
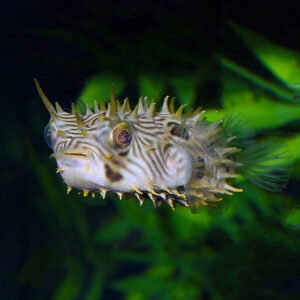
158,155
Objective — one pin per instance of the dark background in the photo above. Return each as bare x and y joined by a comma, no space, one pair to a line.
49,40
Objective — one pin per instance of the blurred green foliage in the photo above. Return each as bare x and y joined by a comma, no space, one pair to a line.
286,69
247,248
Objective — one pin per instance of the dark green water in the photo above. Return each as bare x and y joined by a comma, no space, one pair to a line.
229,56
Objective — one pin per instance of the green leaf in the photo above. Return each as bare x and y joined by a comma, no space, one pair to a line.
151,86
279,91
98,87
185,88
283,63
263,112
70,287
139,284
259,109
294,218
293,146
194,223
112,231
161,271
95,288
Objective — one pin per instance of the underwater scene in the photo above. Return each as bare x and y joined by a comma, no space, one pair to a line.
151,150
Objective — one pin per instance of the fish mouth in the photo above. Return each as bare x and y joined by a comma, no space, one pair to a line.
76,153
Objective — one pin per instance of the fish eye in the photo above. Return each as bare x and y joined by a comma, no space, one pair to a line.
47,135
121,136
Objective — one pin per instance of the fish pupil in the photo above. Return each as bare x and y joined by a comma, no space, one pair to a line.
124,137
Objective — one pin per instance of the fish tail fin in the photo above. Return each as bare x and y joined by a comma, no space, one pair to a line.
264,163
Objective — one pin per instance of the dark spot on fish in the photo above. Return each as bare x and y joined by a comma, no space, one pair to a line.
123,153
181,189
179,130
112,175
199,171
167,146
200,159
199,174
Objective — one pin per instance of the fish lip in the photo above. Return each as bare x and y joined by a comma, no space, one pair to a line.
76,153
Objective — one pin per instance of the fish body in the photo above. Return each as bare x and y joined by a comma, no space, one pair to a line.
159,155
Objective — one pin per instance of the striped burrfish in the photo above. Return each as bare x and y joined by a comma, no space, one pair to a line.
164,156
